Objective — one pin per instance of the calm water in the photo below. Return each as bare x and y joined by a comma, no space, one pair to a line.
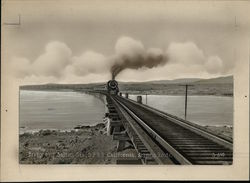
204,110
58,110
65,110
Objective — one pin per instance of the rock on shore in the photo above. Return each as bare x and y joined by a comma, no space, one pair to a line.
222,130
84,145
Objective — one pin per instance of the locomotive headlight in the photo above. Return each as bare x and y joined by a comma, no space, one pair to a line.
113,84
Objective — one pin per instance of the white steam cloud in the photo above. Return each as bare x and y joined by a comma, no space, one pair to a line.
189,54
52,63
58,64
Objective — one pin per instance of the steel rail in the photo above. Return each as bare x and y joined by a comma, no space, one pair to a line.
146,139
179,157
190,127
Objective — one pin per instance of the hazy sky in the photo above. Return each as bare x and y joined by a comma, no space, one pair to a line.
79,41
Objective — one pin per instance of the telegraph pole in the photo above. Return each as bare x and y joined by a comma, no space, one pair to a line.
186,102
186,92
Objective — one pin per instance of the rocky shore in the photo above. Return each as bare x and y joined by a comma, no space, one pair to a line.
82,145
222,130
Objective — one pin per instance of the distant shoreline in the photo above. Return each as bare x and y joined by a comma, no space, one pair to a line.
75,128
175,94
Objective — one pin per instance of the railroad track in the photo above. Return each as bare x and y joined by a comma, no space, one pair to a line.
184,143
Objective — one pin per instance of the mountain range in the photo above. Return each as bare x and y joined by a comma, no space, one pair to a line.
218,80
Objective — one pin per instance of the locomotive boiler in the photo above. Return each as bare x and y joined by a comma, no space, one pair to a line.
112,87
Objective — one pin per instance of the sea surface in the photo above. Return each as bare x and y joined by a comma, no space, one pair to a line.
203,110
65,110
61,110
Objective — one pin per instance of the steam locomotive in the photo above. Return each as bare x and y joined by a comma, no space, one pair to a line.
112,87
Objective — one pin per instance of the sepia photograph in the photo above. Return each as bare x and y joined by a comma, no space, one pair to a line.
124,83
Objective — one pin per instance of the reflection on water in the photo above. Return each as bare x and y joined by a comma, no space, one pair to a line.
58,110
203,110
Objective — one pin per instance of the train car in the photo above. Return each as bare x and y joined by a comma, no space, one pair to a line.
112,87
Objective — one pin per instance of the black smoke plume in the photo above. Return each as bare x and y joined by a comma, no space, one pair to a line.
148,59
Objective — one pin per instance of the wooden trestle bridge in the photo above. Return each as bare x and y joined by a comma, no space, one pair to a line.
161,138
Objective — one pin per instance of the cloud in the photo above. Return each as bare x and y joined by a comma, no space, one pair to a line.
189,54
127,47
186,53
52,63
184,60
169,71
58,64
90,62
214,64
